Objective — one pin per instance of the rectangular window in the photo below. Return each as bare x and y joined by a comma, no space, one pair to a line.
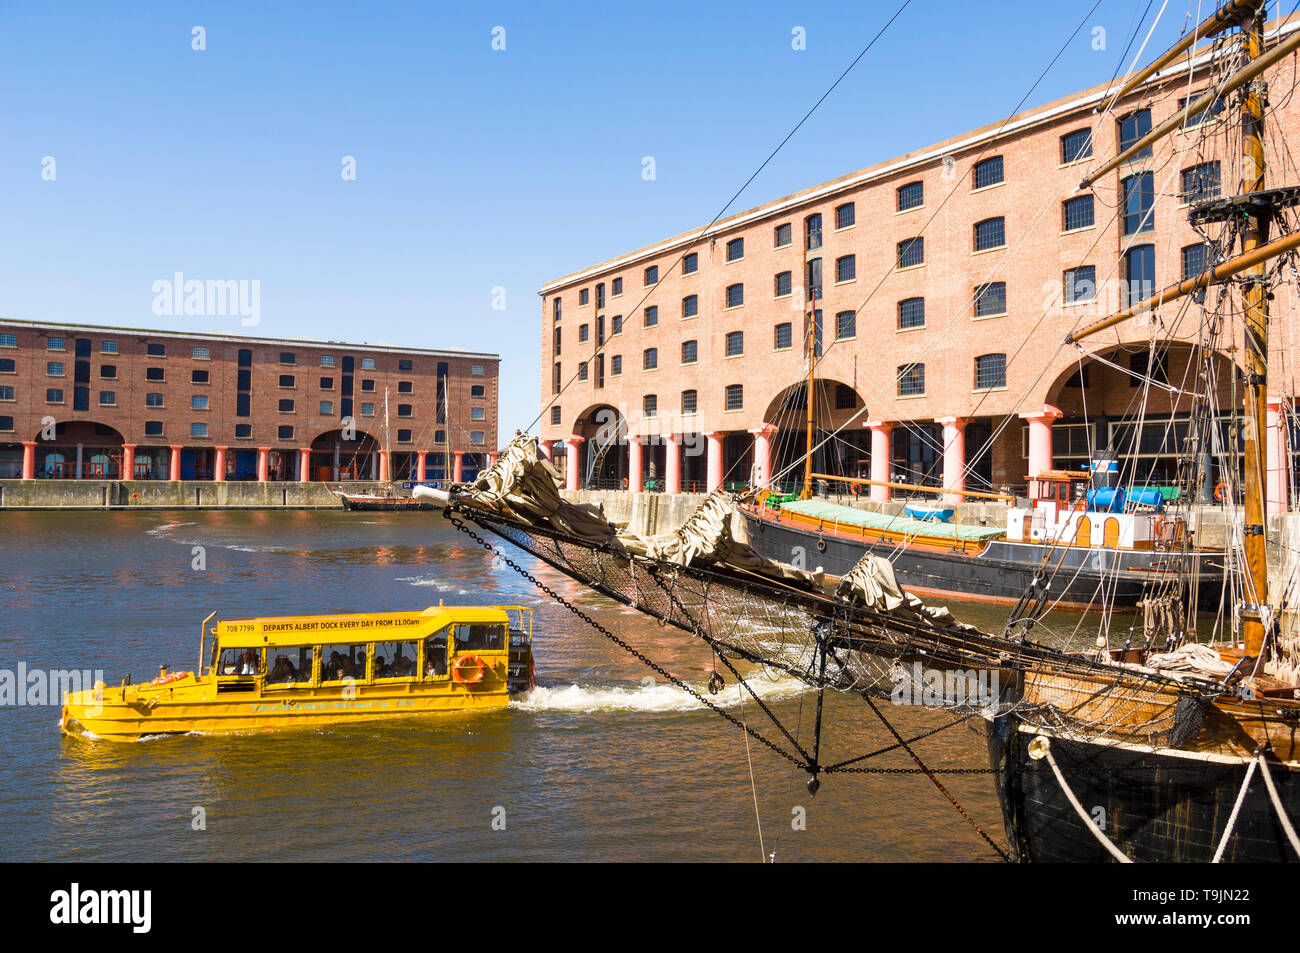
650,358
6,393
327,383
288,357
735,397
476,370
153,400
846,398
600,297
108,372
199,377
784,235
911,313
735,249
1077,213
990,371
367,363
11,340
846,325
990,233
988,172
616,365
911,380
555,415
1076,145
650,317
735,295
8,366
1132,128
583,333
1081,284
1138,197
583,296
812,227
911,195
616,324
475,413
783,284
56,344
688,402
783,337
54,395
198,430
286,406
735,343
911,252
690,352
199,402
650,405
200,354
367,410
582,371
243,431
991,299
107,398
616,287
54,369
1195,260
845,215
153,428
691,263
368,384
1213,112
284,432
326,360
327,408
286,380
555,379
403,436
1201,182
846,268
404,410
652,275
408,387
156,350
476,436
1140,273
405,366
690,306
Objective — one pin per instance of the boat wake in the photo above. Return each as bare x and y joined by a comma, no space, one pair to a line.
654,698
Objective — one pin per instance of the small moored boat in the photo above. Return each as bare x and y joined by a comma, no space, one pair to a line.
280,672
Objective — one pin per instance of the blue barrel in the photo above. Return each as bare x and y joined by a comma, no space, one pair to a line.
1108,499
1148,496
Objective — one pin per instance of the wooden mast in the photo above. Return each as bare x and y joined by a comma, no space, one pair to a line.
1255,305
812,408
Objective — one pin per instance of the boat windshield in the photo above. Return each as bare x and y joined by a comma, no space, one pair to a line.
480,637
239,662
396,659
339,662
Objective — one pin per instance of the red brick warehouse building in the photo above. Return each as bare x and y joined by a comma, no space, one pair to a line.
88,402
944,282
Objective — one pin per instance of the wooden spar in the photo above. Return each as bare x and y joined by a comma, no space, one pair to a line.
1213,275
1229,15
812,407
915,486
1255,305
1235,81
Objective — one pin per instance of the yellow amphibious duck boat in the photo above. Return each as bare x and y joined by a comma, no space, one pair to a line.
308,671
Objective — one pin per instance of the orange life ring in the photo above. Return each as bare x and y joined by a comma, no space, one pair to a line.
173,677
855,489
625,483
469,670
1221,492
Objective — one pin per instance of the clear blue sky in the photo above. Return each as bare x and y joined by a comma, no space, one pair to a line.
474,168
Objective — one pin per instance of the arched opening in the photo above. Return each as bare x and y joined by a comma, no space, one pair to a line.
338,455
1171,417
602,462
79,450
835,405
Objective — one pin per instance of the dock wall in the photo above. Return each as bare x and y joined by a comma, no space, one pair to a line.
164,494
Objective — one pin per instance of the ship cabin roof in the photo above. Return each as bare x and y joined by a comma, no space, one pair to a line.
361,627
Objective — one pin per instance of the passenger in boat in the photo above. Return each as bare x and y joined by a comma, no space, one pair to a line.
247,663
382,669
435,656
403,666
337,668
283,670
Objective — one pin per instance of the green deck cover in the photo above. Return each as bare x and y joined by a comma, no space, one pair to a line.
836,512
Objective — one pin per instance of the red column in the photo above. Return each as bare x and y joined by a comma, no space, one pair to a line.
635,464
128,461
881,456
492,458
545,446
304,466
219,465
1040,439
174,464
1275,459
763,455
263,464
672,464
571,445
421,458
715,460
954,458
29,459
383,466
458,467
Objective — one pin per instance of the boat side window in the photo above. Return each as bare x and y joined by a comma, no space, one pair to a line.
396,659
341,662
480,637
435,655
239,662
289,667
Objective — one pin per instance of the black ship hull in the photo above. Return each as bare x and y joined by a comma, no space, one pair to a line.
387,504
1002,571
1154,804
